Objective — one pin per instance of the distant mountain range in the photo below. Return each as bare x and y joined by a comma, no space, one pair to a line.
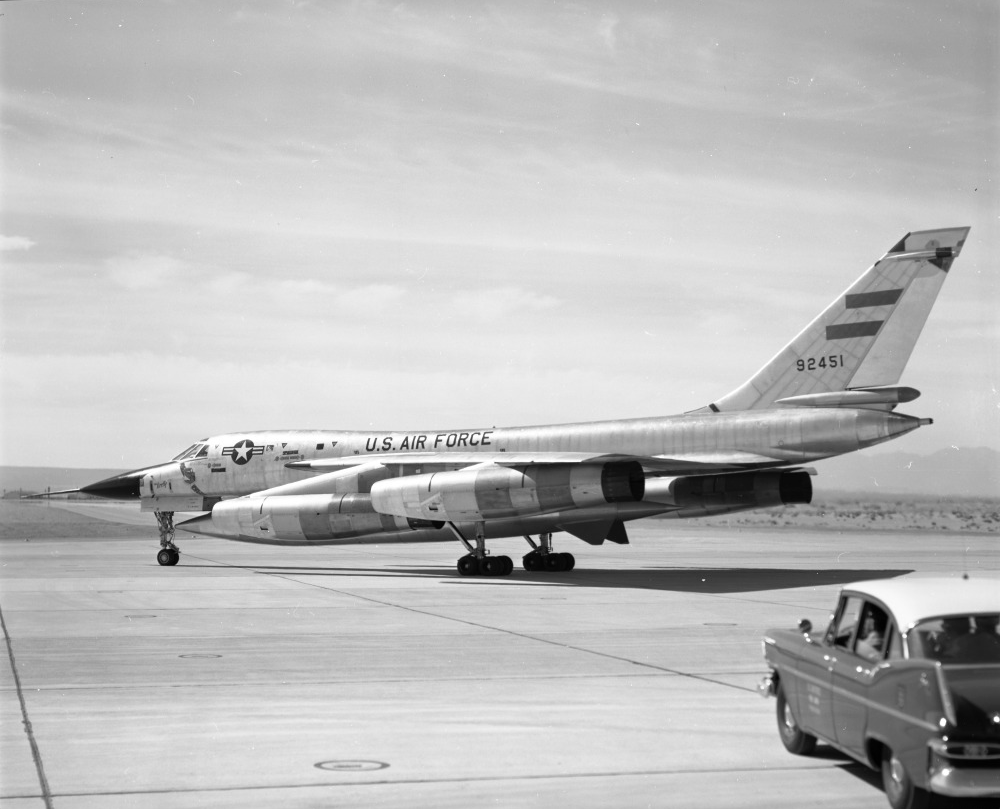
953,472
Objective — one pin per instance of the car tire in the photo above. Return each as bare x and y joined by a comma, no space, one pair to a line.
899,788
795,739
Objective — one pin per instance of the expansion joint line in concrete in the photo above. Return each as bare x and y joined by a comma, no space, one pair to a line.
849,766
35,752
511,632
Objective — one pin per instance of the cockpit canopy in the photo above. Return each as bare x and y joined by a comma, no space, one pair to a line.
199,450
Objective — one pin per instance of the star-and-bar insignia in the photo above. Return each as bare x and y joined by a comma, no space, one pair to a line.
242,451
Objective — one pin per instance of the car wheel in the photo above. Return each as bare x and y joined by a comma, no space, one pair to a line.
899,787
795,739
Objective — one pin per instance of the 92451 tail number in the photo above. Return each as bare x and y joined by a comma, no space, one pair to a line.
816,363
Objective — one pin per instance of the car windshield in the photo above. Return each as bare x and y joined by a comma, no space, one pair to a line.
957,639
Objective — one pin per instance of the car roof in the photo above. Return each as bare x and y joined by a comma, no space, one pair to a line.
914,598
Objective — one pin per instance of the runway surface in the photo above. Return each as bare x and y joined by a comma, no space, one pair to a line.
375,676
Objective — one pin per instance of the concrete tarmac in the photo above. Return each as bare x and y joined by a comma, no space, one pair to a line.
376,677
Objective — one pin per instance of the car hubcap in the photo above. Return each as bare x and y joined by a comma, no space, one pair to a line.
896,775
789,721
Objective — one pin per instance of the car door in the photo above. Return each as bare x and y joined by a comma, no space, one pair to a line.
815,670
852,674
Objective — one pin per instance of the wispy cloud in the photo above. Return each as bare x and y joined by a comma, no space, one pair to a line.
146,272
15,243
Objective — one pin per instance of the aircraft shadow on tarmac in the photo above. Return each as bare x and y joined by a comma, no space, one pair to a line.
685,580
701,580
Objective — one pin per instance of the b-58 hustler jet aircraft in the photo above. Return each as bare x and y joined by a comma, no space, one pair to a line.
833,389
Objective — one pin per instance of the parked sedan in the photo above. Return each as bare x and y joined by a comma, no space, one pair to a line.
905,679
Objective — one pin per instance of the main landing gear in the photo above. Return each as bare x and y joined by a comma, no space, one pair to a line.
169,555
540,559
543,558
469,565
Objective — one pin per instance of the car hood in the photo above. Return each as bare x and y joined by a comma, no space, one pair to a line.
976,697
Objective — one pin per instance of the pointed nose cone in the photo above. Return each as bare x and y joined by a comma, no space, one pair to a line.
118,487
125,486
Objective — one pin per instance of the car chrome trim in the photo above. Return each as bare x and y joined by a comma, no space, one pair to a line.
957,782
870,704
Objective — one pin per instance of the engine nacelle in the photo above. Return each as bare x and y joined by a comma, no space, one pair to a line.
494,492
702,495
302,518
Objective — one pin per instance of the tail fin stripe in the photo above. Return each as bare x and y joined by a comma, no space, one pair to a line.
842,331
884,297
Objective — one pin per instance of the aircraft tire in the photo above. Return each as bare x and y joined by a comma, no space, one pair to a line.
570,560
468,565
496,566
505,566
168,557
532,562
555,562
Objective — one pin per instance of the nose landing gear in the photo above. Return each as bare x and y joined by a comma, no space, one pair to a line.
169,554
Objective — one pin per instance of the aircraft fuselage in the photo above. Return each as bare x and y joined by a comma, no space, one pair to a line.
237,464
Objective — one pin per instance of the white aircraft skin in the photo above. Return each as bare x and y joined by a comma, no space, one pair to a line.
831,390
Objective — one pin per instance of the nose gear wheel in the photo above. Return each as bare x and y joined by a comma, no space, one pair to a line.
169,554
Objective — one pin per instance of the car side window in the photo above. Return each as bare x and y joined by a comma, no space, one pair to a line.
846,622
872,631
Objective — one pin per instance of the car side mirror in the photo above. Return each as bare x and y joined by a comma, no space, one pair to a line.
805,626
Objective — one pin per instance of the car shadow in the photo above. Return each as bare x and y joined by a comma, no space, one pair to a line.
844,762
709,580
871,777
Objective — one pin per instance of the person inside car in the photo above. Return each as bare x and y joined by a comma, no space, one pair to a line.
952,637
981,646
871,641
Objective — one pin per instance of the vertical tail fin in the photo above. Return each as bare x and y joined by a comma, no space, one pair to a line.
864,338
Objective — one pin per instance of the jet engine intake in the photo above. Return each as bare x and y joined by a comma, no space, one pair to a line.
495,492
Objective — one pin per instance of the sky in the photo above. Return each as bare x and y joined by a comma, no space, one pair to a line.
231,216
